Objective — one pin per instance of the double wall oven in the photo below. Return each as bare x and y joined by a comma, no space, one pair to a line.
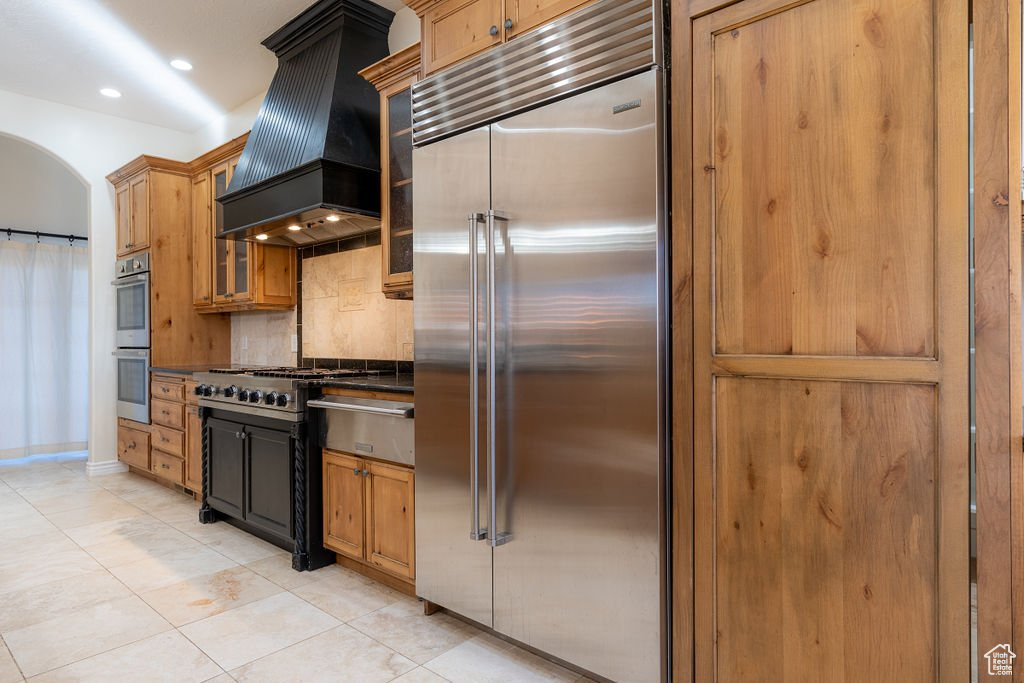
131,296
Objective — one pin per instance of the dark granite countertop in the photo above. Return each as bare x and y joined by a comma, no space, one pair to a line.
402,384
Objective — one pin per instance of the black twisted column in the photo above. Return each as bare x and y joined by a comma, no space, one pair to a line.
300,558
206,513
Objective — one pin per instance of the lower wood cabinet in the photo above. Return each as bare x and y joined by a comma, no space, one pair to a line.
369,512
133,445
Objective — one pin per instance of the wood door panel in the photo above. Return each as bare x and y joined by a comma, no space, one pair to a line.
829,216
344,504
390,531
833,261
826,564
456,29
529,14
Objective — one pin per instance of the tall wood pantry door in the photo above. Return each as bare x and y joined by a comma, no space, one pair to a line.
830,350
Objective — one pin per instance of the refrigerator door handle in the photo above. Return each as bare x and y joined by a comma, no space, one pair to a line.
496,538
476,533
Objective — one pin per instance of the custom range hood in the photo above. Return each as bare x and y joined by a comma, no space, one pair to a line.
310,171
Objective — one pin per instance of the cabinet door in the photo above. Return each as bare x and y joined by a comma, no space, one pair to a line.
523,15
227,465
222,249
133,447
140,212
343,504
193,449
202,242
396,221
123,211
268,480
390,532
456,29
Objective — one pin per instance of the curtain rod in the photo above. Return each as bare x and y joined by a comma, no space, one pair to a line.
37,234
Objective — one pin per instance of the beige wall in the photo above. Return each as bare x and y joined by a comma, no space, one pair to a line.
345,314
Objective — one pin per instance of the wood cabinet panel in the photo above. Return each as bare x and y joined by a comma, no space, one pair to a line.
193,449
167,414
815,487
171,441
529,14
133,447
390,527
829,294
169,467
343,504
456,29
123,215
139,190
202,241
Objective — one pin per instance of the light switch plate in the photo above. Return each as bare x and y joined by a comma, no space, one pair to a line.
295,343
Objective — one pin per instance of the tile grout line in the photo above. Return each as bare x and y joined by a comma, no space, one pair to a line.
11,655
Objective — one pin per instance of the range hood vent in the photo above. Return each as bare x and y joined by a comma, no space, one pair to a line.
310,170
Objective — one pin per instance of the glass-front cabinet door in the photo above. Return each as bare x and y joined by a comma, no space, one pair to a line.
396,214
231,258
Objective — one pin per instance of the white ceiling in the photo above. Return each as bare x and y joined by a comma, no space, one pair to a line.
66,50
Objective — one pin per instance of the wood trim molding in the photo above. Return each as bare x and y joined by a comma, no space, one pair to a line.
420,7
394,67
997,318
145,163
219,154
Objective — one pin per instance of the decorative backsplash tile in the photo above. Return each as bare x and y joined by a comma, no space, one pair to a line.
263,338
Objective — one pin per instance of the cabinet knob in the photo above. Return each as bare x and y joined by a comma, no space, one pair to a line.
494,30
508,24
366,473
356,471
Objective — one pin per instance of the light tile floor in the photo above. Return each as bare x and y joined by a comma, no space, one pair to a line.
113,579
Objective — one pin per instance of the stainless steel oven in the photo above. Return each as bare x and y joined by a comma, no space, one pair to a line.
133,384
131,293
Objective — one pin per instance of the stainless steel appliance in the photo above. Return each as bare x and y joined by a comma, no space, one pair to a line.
540,327
131,294
381,429
262,468
133,384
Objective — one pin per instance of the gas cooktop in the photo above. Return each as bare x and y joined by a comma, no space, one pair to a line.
295,373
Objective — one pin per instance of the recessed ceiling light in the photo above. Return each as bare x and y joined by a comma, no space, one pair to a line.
110,92
333,219
295,228
181,65
262,236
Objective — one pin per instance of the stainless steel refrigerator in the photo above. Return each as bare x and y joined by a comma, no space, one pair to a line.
540,368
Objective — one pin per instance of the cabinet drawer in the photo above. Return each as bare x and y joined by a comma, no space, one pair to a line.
168,391
133,447
168,414
169,441
169,467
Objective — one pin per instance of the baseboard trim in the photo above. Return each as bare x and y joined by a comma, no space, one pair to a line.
97,469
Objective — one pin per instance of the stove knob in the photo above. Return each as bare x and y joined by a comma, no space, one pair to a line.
255,396
229,392
243,395
198,391
209,390
271,398
283,400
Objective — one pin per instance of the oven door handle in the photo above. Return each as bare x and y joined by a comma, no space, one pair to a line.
374,407
124,353
130,280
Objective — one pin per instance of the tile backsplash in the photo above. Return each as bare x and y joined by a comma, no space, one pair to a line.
263,338
344,312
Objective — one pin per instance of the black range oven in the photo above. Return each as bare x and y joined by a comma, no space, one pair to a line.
262,464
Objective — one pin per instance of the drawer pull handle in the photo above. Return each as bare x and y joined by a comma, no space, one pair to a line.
355,471
165,466
494,30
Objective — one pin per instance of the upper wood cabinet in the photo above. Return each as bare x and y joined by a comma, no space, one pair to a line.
131,206
453,30
232,275
393,77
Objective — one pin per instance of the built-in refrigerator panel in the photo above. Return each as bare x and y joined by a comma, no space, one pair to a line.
578,339
453,560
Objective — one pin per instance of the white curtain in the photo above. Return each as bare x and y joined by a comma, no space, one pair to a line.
44,347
